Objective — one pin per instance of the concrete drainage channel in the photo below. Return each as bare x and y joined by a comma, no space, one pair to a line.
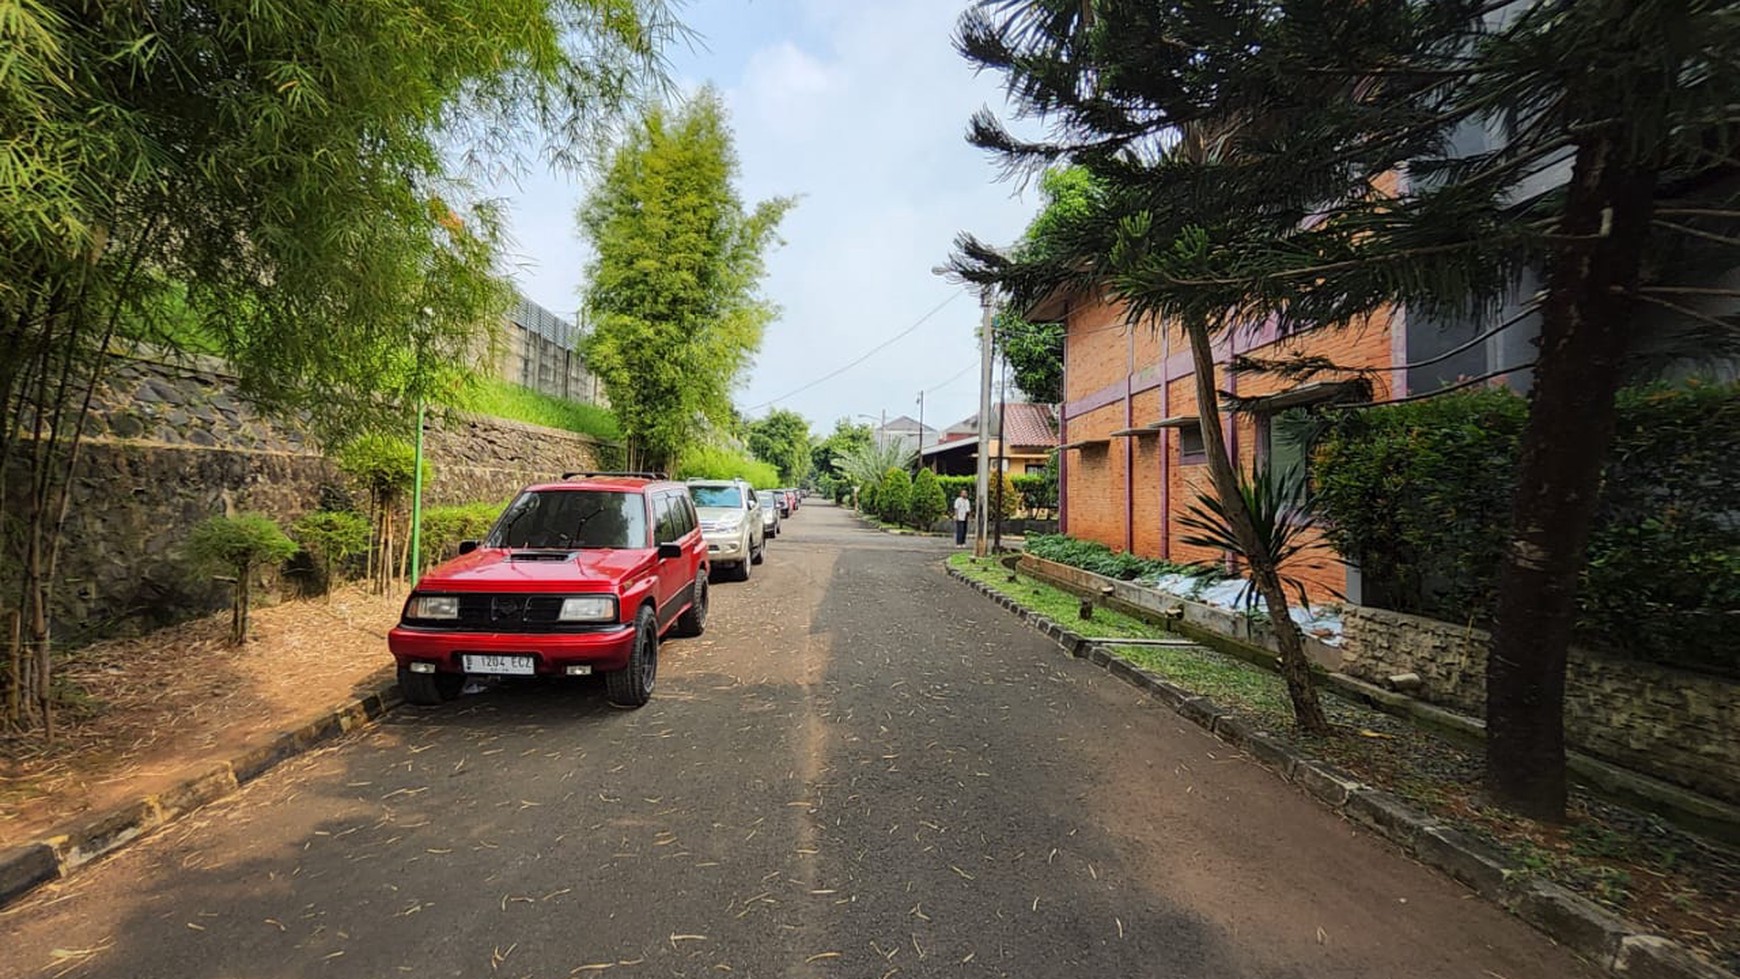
1617,945
25,868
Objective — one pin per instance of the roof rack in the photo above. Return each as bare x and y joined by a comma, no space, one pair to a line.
632,475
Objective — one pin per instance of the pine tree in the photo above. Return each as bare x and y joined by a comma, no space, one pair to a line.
1245,163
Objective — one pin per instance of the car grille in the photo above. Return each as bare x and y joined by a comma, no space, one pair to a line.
509,613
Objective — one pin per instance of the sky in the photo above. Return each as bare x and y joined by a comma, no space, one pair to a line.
859,109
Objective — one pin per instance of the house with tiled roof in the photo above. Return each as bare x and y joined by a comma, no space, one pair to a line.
1032,437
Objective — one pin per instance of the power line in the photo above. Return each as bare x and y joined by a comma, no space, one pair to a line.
957,376
865,356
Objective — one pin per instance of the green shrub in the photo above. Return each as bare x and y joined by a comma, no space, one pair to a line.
1036,491
952,486
239,546
1102,560
1419,496
333,538
445,526
867,499
928,503
894,498
1008,502
713,462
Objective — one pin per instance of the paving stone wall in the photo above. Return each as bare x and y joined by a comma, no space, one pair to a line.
168,446
1681,727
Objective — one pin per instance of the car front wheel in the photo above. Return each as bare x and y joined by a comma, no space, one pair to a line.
632,686
430,689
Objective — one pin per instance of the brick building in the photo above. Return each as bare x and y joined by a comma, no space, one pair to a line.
1131,459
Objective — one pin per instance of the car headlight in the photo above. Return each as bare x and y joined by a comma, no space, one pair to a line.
433,607
590,608
731,523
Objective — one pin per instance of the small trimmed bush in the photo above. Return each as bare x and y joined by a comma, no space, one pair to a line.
239,546
894,499
928,502
332,538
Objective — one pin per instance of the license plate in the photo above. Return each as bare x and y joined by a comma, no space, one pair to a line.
504,665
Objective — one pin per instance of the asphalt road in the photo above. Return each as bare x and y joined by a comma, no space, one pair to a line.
864,769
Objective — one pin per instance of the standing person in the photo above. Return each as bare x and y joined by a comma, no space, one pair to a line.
963,509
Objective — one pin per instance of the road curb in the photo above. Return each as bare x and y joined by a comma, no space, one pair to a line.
1619,946
28,866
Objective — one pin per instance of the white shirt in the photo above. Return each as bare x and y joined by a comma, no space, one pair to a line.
963,507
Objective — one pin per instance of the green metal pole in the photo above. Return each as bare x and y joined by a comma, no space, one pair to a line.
417,501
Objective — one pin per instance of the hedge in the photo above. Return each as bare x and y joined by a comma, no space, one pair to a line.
1419,496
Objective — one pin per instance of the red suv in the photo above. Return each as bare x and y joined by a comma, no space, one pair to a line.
576,577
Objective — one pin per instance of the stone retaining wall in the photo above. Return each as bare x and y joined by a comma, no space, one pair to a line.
168,446
1680,727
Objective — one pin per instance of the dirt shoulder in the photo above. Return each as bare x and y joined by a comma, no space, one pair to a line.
148,712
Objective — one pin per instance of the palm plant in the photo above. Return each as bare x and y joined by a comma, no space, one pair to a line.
1283,517
865,465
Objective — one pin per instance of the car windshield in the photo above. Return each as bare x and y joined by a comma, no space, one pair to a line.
716,496
570,519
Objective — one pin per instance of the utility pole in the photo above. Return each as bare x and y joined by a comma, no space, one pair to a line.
982,496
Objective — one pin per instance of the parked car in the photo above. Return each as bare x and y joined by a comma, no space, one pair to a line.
791,497
731,521
769,517
780,501
578,577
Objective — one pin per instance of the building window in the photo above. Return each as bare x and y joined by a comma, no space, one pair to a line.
1190,450
1282,447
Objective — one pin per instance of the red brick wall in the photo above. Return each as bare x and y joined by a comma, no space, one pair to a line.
1100,354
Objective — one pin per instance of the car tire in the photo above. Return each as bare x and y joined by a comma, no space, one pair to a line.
632,686
430,689
760,553
693,621
740,570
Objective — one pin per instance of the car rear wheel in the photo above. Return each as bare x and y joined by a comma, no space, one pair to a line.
632,686
430,689
692,622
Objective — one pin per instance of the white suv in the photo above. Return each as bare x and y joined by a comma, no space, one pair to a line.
730,515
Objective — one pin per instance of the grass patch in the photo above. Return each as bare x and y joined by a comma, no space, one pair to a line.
1054,603
503,400
1633,863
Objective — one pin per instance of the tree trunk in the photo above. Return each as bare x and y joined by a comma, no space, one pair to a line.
1295,668
1564,444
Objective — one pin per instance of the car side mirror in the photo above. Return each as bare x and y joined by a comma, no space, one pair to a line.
467,546
670,549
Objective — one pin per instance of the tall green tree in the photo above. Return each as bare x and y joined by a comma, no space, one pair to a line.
783,439
271,184
1332,177
1034,351
673,293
